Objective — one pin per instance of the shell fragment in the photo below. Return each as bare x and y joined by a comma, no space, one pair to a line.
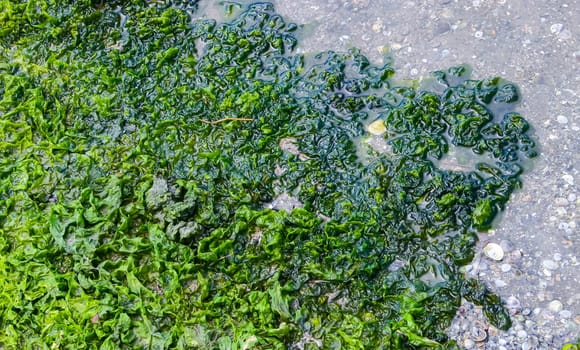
377,127
493,251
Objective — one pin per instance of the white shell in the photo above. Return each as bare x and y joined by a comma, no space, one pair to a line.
377,127
493,251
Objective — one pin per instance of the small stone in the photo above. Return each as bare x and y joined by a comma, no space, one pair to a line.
541,295
522,334
513,303
556,28
516,255
396,46
284,202
468,344
562,119
378,26
441,28
568,178
565,314
493,251
557,257
565,35
500,283
506,245
288,144
382,49
505,267
572,198
555,306
550,264
561,202
478,334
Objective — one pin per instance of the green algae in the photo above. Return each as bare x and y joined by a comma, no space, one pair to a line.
140,148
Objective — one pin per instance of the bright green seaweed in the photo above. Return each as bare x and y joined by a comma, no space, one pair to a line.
140,147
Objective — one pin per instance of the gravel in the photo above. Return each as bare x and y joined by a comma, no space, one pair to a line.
533,43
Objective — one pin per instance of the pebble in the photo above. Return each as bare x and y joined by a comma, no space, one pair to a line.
562,119
396,46
568,178
500,283
513,303
468,343
479,334
441,28
565,314
565,35
556,28
516,255
522,334
284,202
378,26
550,264
555,306
505,267
506,245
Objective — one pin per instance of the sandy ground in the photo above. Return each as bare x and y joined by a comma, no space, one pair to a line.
535,44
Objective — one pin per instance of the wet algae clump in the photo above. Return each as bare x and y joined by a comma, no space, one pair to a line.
141,149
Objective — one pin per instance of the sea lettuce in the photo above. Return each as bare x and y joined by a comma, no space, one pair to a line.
142,148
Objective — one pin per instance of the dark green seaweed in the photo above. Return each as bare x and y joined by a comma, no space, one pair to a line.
141,151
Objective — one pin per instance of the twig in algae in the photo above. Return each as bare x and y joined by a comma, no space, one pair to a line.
227,119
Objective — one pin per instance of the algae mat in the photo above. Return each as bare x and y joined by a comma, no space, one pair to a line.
142,148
